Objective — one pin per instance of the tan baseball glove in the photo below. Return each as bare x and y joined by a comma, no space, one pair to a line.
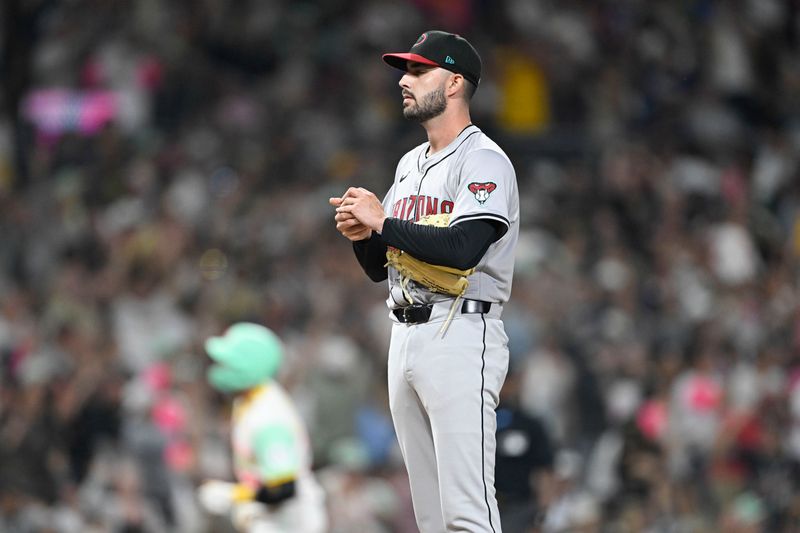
438,278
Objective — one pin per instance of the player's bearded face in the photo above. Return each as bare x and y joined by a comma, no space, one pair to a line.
429,106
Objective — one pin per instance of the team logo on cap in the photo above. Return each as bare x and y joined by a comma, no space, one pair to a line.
421,39
482,190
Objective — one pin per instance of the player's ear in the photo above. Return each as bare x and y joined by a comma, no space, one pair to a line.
455,84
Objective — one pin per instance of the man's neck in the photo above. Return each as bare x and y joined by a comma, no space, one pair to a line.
444,128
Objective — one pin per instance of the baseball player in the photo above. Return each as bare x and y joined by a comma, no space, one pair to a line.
444,237
275,491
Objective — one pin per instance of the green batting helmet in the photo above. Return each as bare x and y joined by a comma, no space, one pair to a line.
245,356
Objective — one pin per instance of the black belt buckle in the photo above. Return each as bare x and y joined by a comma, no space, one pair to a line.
475,306
414,314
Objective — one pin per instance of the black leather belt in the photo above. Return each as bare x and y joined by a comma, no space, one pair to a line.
421,313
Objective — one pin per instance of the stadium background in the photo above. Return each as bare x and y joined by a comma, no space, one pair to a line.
164,171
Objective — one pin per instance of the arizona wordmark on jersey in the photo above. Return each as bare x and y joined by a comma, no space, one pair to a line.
472,178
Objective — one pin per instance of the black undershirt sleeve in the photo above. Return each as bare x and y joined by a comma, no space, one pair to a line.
371,254
460,246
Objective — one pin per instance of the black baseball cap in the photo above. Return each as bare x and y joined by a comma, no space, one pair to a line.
441,49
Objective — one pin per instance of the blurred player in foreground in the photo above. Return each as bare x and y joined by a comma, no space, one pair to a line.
275,489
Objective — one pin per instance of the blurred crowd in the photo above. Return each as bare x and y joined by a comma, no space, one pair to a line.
164,171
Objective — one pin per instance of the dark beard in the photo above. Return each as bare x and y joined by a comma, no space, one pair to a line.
431,106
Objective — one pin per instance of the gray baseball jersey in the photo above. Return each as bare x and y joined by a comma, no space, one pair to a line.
444,388
472,178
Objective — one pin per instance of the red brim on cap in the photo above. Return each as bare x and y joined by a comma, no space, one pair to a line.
400,61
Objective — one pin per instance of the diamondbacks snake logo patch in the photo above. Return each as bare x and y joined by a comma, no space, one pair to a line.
482,190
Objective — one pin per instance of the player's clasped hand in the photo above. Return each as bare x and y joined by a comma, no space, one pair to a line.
348,225
358,213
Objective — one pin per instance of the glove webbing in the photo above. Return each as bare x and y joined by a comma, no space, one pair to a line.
404,283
